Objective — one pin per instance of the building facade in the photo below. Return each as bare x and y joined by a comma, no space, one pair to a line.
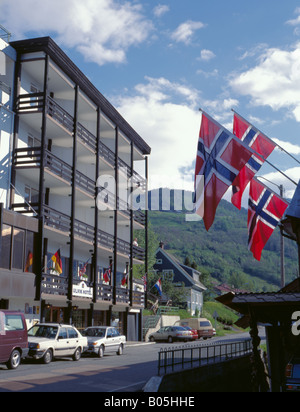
67,216
169,268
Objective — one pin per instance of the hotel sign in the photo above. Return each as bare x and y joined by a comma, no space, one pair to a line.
81,290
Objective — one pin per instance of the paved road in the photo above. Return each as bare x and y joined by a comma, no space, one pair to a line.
126,373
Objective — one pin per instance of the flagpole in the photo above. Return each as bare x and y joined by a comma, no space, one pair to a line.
282,264
261,156
250,148
279,147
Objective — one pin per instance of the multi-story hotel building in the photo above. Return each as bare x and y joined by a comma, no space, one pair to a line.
68,158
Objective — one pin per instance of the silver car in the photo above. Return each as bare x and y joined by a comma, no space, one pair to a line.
104,339
171,334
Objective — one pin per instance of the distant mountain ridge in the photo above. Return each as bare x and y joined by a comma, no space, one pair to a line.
223,251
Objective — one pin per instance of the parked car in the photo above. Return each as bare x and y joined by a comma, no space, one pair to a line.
52,340
171,334
104,339
202,325
192,332
13,338
292,373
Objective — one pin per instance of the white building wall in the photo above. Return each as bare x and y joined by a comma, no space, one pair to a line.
7,62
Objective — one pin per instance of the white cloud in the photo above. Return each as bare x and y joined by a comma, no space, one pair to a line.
185,32
278,179
274,82
103,30
160,10
207,55
171,129
289,147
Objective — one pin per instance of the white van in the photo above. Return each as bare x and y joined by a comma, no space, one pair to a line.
202,325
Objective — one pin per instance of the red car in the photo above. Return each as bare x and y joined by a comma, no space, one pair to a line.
193,332
13,338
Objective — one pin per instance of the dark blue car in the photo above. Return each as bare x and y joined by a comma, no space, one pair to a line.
292,373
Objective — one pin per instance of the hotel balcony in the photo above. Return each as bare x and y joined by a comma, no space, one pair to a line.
33,103
29,161
53,285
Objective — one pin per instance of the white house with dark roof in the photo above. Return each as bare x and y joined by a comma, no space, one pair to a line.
169,268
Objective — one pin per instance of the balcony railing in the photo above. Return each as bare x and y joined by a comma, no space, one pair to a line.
34,102
31,157
54,285
122,295
86,137
104,292
57,285
85,183
30,102
84,231
60,115
138,299
62,222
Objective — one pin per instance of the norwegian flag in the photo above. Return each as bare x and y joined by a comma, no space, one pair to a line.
264,214
124,281
220,158
82,271
107,275
261,144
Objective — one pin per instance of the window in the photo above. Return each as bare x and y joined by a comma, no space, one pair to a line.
63,334
72,333
168,275
48,332
13,322
18,248
33,141
29,252
6,247
31,195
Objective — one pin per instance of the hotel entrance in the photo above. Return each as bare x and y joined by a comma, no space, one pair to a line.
54,314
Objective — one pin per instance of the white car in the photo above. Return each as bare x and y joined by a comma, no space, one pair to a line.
52,340
104,339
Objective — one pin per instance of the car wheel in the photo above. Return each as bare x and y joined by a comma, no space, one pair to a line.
120,350
151,339
14,360
77,355
170,339
101,352
47,358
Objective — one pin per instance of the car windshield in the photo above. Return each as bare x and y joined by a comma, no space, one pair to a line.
41,331
94,332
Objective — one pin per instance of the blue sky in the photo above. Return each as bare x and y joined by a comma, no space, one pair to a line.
158,62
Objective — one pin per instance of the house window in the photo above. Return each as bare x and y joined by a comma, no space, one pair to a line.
159,261
168,275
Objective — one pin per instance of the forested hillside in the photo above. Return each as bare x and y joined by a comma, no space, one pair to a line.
223,251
